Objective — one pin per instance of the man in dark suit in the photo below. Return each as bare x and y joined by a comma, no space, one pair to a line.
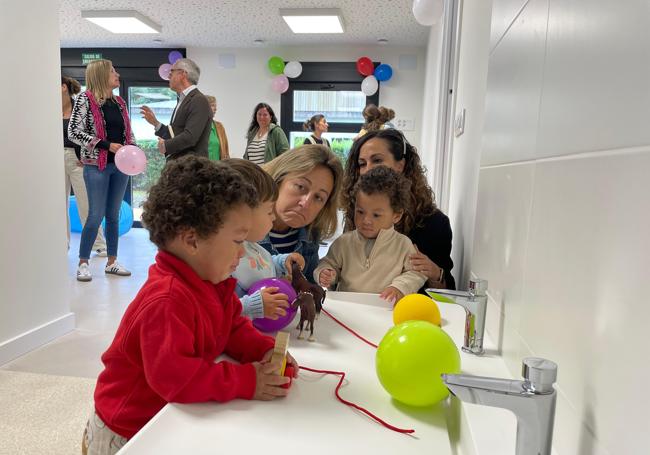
189,129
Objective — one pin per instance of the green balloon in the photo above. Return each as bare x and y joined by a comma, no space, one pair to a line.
276,65
410,359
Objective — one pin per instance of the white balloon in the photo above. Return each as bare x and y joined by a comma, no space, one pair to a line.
427,12
369,85
293,69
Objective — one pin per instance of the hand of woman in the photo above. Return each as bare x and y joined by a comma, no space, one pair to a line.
422,264
115,147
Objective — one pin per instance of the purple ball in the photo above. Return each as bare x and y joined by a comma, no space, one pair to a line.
270,325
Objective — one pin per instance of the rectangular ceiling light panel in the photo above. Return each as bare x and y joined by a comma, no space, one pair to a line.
313,20
122,21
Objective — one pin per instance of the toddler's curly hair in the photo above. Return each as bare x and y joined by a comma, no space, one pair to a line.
384,180
194,193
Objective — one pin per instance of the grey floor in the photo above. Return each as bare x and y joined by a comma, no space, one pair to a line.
98,306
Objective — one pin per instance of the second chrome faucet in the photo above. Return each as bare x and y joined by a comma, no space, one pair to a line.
475,303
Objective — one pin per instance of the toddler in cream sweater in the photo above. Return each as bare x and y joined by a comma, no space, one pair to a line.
374,257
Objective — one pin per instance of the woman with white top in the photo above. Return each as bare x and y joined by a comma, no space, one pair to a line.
265,139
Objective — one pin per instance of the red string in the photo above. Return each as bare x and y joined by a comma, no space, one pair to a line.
344,401
349,329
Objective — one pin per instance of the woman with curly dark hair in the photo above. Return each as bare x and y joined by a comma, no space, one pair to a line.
423,223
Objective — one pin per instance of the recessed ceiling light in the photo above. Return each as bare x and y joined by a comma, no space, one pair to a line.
313,20
122,21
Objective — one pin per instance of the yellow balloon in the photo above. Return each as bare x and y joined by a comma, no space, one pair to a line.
416,307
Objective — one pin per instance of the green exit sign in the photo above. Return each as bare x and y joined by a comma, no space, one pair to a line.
87,57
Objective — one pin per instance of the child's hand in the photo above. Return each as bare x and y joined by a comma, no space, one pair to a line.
274,303
294,257
326,277
267,383
391,294
290,361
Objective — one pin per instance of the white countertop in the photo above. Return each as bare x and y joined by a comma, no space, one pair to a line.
311,419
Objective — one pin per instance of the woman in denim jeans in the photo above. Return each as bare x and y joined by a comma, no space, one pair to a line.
309,180
100,125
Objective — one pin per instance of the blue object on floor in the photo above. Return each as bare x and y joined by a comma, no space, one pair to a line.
126,217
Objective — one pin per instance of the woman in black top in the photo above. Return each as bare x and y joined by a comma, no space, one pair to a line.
317,125
100,125
74,174
424,223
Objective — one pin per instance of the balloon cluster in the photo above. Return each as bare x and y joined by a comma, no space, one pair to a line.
370,84
415,352
280,82
164,70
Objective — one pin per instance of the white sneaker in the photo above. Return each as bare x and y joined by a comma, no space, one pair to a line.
116,269
101,252
83,273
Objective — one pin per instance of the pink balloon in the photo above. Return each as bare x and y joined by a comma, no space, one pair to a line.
164,71
130,160
280,83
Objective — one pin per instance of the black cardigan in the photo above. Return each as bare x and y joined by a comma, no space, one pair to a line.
433,238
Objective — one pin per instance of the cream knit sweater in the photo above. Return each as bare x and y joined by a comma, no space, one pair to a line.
387,265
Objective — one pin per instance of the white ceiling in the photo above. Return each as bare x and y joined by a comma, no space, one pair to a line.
237,23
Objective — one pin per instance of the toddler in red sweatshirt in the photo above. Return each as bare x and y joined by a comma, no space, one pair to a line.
186,314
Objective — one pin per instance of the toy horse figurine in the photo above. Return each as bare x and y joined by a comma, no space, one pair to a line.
300,284
307,313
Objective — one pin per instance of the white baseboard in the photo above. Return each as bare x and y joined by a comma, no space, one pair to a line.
36,337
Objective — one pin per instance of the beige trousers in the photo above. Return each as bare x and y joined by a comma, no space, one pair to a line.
98,439
74,177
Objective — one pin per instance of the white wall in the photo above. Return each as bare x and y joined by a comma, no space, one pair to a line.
238,90
34,278
466,148
563,213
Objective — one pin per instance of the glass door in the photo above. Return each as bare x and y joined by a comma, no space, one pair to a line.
162,100
341,103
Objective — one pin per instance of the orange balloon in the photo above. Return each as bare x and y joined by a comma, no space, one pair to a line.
416,307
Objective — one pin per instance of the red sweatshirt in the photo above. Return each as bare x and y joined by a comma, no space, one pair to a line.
165,347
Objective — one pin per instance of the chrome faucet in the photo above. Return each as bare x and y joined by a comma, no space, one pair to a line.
475,303
531,400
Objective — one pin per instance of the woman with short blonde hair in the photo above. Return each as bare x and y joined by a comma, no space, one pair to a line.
309,179
100,124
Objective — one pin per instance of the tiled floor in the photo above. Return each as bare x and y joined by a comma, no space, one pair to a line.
98,306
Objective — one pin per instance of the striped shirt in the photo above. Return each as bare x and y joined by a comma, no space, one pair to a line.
284,242
256,149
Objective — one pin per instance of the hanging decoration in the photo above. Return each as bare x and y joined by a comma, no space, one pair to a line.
173,56
369,85
383,72
280,83
365,66
427,12
276,65
164,70
293,69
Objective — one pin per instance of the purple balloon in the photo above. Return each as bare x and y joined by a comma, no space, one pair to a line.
130,160
164,70
173,56
270,325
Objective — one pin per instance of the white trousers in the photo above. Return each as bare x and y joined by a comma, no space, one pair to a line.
74,177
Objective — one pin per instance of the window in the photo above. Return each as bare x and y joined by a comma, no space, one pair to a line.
331,89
